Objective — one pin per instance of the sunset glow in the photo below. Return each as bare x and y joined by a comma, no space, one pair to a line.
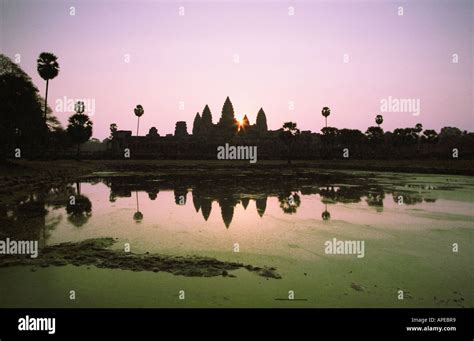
358,53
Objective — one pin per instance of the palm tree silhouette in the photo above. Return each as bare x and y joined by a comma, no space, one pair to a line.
418,129
326,112
379,120
48,68
138,112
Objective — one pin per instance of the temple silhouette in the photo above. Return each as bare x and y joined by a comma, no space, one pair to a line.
203,140
206,136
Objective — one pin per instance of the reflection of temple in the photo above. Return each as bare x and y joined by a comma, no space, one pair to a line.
203,201
228,193
28,220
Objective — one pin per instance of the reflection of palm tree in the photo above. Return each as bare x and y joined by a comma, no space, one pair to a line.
407,198
326,215
289,203
48,68
375,199
328,193
137,216
79,212
153,194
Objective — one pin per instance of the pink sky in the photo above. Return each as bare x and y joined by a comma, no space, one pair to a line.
282,58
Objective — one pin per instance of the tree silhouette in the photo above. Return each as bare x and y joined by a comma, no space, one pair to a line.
430,136
289,134
379,120
138,112
404,136
351,137
48,68
21,118
113,130
79,128
418,129
326,112
374,134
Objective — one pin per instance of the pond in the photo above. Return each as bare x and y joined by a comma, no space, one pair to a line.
417,235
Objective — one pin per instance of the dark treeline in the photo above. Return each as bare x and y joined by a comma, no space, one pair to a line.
28,129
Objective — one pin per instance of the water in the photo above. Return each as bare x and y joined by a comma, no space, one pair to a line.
408,223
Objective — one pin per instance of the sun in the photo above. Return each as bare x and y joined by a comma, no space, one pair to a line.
240,122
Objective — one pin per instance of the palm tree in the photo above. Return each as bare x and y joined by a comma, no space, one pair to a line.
326,112
418,129
379,120
79,128
138,112
48,68
289,133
